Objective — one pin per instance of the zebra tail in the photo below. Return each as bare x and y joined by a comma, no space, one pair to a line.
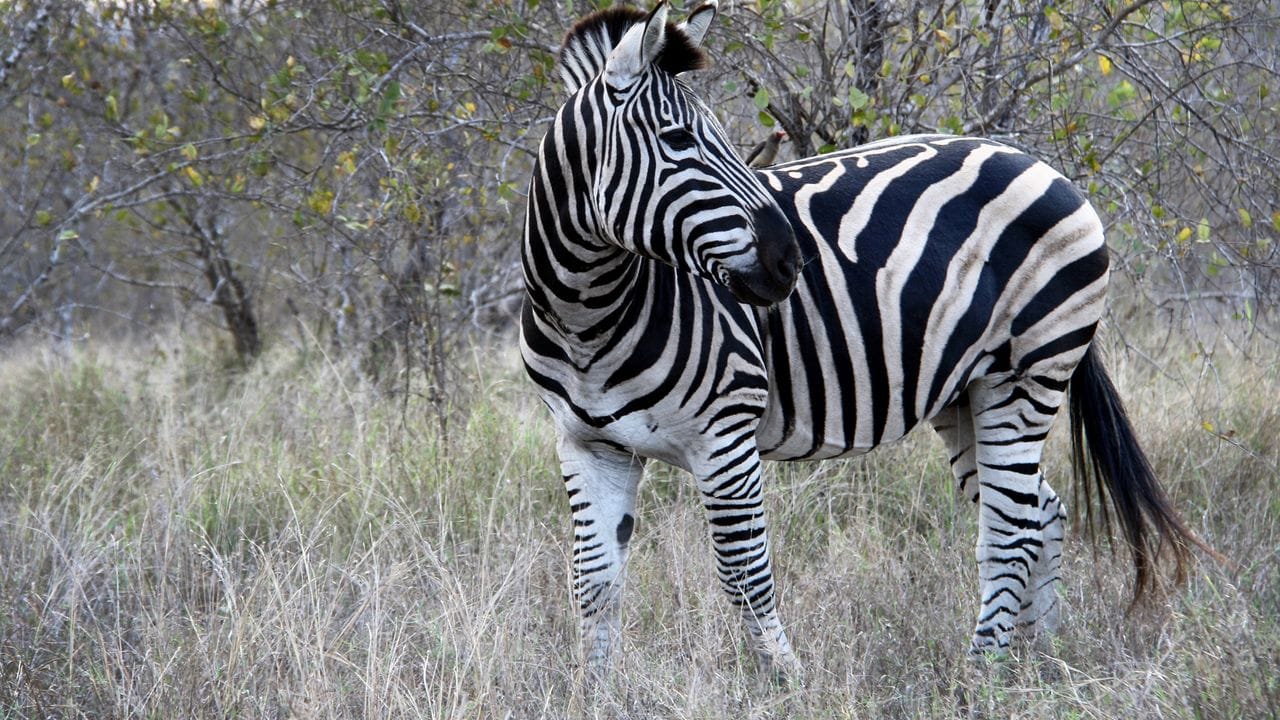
1107,460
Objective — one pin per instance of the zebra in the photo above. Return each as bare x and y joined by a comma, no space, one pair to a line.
683,307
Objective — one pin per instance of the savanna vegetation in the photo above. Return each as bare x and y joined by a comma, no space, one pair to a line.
266,449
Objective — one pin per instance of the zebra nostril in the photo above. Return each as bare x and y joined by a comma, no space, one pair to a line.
789,265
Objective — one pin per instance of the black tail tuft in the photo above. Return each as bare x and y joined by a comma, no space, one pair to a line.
1115,466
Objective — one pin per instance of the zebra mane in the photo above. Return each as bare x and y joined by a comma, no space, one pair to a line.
588,43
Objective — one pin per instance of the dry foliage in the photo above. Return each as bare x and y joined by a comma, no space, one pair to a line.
179,540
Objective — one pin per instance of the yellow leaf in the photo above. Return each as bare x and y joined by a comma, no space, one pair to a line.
321,201
1104,64
1184,235
1208,426
1203,230
193,175
93,184
257,122
347,162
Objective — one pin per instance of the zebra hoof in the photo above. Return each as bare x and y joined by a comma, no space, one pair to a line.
784,670
985,652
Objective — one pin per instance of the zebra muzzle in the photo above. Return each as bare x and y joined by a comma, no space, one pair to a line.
776,267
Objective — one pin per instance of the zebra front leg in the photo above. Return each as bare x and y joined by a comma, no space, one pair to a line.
601,483
732,499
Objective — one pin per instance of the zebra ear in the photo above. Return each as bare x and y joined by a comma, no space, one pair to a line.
695,26
637,50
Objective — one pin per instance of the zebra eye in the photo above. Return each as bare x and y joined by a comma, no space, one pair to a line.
678,138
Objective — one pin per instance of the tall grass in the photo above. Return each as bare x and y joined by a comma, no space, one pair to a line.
180,540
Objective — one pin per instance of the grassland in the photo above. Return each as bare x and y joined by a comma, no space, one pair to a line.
179,540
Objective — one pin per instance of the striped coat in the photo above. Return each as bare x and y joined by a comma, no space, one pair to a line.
683,307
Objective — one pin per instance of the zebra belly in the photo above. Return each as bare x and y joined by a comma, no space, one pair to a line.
797,435
825,449
843,380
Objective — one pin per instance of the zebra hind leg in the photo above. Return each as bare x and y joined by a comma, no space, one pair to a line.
1040,610
602,487
1019,519
1038,618
955,426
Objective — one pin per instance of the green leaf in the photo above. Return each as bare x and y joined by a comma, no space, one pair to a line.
766,119
1245,218
857,99
391,94
1056,22
1122,93
1202,230
761,99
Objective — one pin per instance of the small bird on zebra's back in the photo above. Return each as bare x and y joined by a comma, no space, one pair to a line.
765,152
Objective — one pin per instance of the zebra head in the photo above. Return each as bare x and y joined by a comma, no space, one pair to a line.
662,179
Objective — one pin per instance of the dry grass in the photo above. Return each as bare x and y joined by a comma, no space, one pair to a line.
181,541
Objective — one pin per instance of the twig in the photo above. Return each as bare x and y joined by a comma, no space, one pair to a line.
28,36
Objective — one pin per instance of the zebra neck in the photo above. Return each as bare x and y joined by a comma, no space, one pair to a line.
579,283
583,299
579,287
